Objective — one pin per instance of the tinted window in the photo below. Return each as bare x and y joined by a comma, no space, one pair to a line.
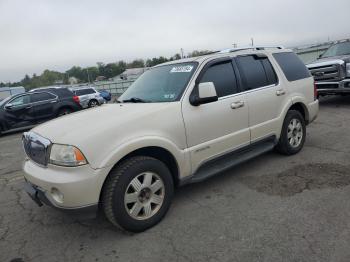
41,97
84,92
252,71
223,77
22,100
270,72
292,66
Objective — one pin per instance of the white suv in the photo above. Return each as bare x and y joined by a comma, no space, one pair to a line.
180,122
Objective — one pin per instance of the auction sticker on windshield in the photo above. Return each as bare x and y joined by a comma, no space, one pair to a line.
181,69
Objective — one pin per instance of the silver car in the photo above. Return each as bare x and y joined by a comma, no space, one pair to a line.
88,96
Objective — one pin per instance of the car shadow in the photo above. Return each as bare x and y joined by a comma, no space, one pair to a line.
334,101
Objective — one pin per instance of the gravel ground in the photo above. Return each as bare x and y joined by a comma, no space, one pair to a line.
273,208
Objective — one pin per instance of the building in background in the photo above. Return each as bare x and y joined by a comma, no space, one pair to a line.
131,73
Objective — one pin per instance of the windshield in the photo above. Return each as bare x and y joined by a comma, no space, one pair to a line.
160,84
338,49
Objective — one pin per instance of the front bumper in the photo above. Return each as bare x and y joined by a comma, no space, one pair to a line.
341,87
39,197
65,188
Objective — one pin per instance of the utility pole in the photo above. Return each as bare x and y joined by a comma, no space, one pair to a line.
182,53
252,39
87,70
234,45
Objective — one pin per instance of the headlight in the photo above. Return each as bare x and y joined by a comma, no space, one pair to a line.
65,155
348,69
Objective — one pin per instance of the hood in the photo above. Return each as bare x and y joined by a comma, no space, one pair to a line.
75,127
99,131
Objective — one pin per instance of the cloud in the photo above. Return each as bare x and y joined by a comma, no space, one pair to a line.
46,34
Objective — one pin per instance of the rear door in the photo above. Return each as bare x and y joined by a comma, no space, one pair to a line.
19,112
44,104
266,95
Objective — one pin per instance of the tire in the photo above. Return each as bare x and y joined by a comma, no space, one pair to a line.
64,111
93,103
126,212
293,134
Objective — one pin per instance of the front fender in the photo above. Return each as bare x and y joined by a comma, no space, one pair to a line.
181,156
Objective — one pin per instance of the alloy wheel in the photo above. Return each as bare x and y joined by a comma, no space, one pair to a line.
144,196
295,133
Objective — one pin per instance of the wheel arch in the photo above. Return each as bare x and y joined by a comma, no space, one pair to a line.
64,107
156,152
159,153
301,107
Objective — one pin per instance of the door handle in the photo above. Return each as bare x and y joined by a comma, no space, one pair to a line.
237,104
28,107
280,92
53,102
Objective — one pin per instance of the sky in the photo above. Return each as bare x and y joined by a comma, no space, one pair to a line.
56,34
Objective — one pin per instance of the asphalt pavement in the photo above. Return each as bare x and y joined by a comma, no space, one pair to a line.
272,208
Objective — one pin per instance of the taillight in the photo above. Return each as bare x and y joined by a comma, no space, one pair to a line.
76,99
315,92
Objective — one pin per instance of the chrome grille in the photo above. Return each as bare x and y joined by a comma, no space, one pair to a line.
36,147
326,72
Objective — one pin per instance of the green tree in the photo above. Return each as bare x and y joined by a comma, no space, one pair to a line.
136,63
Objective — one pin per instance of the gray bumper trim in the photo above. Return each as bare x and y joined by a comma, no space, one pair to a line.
39,197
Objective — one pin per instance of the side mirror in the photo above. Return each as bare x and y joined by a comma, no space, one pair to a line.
8,106
206,94
320,56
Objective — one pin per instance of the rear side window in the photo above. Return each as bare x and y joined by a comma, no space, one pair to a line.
256,71
37,97
270,72
84,92
223,77
292,66
63,92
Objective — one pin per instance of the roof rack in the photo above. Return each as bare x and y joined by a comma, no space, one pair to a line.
230,50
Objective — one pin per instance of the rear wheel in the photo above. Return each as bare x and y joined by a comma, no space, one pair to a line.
64,111
138,193
293,133
93,103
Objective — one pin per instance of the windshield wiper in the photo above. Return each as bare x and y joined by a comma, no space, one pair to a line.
134,100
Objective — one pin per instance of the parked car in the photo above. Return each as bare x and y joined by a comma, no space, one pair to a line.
332,70
106,95
180,122
88,96
28,109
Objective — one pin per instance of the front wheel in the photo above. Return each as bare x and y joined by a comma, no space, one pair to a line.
293,134
137,194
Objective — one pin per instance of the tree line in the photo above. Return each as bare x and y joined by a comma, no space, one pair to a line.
91,73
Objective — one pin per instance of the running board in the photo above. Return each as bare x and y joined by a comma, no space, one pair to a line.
230,160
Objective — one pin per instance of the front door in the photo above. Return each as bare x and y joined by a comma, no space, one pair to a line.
218,127
19,112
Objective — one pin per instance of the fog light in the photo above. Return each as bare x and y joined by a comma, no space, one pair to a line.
57,195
